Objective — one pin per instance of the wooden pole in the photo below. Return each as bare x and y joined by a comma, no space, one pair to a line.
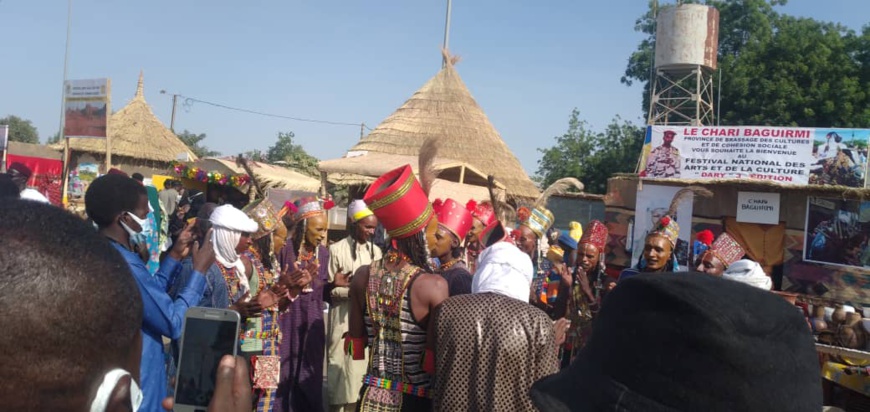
446,34
64,181
108,112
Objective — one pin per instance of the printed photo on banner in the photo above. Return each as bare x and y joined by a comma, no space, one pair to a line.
87,108
837,232
840,157
652,204
784,155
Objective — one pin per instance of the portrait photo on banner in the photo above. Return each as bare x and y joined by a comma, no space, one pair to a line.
840,157
652,204
837,232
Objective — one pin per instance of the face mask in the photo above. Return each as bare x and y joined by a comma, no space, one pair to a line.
110,380
137,238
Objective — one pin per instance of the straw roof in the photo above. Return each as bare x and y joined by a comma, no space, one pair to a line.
444,108
137,133
268,175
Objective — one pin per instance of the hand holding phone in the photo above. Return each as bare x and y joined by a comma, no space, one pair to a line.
209,334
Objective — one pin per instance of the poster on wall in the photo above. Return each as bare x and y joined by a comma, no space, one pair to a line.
652,204
784,155
837,232
87,108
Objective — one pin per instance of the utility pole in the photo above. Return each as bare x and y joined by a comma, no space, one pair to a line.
361,127
65,178
174,105
446,33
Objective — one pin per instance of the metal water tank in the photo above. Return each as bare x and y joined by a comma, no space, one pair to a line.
687,36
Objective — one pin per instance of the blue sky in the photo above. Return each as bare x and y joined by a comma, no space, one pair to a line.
527,63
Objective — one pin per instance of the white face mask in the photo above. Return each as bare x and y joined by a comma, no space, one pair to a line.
140,237
110,380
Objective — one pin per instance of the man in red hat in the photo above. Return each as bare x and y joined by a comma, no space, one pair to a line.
482,215
20,174
392,298
454,223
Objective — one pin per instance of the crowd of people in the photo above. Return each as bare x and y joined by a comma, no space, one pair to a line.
458,312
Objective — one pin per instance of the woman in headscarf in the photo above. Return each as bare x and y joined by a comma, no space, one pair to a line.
301,322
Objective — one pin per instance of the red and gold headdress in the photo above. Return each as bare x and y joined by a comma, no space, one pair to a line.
484,211
399,202
453,216
595,235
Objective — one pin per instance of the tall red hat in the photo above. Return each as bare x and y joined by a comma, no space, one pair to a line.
453,216
595,235
483,211
399,202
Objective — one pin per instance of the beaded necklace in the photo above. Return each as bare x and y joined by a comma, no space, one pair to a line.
449,264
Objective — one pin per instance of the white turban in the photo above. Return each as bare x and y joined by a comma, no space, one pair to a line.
748,272
504,269
229,223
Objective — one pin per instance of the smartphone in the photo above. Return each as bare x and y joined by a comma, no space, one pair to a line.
208,335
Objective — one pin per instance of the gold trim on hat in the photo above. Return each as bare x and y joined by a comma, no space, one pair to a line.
392,197
414,224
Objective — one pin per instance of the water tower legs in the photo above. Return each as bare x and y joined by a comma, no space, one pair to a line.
682,97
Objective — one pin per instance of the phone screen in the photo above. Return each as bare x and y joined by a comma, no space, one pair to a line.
205,342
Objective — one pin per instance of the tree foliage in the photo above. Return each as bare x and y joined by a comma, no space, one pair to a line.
777,69
20,130
285,152
194,143
589,156
55,138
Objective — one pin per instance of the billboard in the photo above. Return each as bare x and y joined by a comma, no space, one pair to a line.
837,232
86,108
785,155
652,204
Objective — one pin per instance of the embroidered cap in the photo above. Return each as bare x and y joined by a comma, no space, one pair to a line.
540,219
453,216
400,204
595,235
726,249
263,213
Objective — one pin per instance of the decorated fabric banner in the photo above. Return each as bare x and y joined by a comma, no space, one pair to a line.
785,155
652,204
837,232
87,108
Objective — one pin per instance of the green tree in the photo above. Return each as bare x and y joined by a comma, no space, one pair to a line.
55,138
285,152
777,69
20,130
589,156
568,158
194,143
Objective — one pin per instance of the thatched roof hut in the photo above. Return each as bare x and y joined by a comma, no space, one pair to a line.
442,108
139,140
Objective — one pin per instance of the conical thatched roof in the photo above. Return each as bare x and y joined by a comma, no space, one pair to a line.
137,133
444,108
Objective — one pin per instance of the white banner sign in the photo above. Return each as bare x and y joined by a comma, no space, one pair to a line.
785,155
758,207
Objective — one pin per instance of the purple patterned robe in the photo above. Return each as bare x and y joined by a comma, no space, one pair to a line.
303,341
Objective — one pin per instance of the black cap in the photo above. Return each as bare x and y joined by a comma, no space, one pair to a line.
690,342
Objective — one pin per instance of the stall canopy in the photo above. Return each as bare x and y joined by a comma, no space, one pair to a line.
270,176
44,162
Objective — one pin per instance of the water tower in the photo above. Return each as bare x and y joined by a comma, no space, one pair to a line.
687,42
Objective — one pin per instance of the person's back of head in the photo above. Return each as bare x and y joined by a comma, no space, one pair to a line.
138,177
111,195
8,188
677,342
167,184
71,312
